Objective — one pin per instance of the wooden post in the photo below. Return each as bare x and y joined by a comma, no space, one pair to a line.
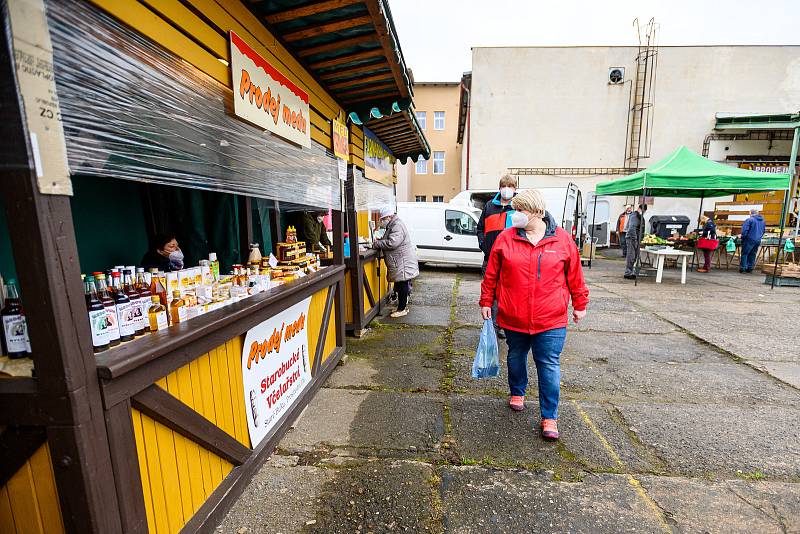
354,264
46,254
338,256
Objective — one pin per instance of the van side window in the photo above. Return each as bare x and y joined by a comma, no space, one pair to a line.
460,223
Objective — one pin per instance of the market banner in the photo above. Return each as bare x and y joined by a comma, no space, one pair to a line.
341,141
378,164
275,368
265,97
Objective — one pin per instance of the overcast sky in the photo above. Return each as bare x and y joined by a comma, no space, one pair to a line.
436,35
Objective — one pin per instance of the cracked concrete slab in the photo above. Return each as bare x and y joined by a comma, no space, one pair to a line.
478,500
727,507
420,315
378,496
374,419
633,322
788,372
296,488
399,371
719,439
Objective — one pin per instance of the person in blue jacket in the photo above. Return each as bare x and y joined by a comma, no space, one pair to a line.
752,231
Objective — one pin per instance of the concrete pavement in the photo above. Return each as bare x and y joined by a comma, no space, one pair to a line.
680,412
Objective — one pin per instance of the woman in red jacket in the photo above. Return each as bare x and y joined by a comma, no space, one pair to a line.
533,270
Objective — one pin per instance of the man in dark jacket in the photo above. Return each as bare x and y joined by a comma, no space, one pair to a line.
495,218
633,228
621,220
752,231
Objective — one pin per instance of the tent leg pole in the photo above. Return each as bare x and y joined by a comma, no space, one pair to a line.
694,256
792,165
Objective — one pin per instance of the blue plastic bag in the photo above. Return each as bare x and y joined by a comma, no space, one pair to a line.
487,357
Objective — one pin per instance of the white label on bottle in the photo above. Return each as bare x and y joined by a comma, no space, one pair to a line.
112,323
161,320
141,312
97,322
16,333
183,313
127,321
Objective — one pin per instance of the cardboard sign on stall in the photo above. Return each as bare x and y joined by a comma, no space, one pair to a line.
264,96
275,368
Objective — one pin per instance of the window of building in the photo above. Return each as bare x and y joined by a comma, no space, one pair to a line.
420,198
422,118
422,166
438,198
438,162
438,120
460,223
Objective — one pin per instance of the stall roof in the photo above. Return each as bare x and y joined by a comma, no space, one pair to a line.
750,121
352,48
686,174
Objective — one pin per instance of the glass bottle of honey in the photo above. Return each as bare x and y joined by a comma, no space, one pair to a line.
177,308
157,314
158,287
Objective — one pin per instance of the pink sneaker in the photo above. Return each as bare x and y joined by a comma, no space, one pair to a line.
550,429
517,402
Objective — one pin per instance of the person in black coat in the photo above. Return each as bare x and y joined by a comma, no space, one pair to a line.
165,255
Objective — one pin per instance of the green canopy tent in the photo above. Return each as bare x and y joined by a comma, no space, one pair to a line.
685,174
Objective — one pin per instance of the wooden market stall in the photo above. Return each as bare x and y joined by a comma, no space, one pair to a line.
117,100
354,47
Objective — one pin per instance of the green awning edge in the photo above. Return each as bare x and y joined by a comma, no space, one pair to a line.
685,174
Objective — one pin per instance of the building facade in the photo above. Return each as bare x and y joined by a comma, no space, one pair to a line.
437,179
554,115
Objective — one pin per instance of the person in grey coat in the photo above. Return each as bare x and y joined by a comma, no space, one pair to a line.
400,256
633,233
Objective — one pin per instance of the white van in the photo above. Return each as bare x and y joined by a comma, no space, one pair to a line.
564,203
443,232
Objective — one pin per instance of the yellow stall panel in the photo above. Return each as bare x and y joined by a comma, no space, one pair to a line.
29,502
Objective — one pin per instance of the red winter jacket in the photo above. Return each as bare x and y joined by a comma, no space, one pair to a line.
533,284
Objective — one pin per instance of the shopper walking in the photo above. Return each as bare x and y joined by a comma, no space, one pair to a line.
633,227
534,268
399,255
752,231
709,231
495,218
621,223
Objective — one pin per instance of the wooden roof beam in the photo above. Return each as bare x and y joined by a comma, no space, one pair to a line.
305,11
337,45
341,60
363,90
381,27
328,27
383,77
353,70
380,95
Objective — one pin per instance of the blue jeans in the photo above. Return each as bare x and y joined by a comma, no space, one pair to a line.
546,347
749,252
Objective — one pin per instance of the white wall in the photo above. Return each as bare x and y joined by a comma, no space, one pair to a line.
404,181
553,107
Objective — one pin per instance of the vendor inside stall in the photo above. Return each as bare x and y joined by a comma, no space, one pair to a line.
164,255
311,229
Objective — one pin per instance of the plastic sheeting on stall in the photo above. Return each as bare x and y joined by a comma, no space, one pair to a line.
371,195
134,111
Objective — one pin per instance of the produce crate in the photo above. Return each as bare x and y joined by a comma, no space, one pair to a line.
782,281
785,270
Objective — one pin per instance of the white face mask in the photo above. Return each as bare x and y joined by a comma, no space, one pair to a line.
519,219
506,193
320,218
383,223
176,256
